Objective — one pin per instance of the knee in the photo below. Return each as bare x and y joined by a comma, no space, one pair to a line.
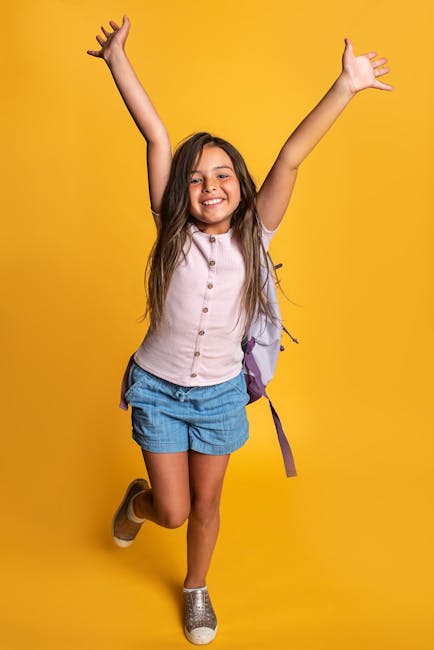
172,518
204,510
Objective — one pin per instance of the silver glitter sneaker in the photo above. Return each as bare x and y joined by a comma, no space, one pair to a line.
200,622
125,524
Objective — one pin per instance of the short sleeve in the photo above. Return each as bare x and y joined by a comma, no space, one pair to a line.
267,235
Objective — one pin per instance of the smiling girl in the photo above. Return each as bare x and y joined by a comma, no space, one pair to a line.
185,382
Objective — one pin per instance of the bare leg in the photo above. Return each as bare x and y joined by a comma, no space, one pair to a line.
167,503
186,484
206,482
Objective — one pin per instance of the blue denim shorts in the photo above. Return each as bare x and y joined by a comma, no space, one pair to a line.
167,417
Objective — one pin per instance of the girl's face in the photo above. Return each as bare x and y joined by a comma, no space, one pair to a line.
214,190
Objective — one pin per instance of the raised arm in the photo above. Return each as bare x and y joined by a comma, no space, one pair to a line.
158,153
357,73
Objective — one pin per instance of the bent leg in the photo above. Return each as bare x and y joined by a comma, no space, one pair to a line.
206,481
167,503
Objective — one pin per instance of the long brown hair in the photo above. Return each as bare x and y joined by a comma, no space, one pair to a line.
172,231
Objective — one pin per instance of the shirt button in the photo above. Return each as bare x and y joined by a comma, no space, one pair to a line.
212,239
205,309
196,354
201,333
210,286
212,262
193,374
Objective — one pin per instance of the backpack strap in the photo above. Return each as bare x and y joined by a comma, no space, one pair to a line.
123,404
275,267
288,458
253,370
289,334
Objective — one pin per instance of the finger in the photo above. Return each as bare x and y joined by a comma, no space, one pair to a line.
114,25
94,52
370,55
382,86
378,73
375,64
106,34
349,46
100,40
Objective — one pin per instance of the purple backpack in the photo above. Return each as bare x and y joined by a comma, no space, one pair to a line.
261,346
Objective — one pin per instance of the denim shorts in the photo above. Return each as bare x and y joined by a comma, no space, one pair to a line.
167,417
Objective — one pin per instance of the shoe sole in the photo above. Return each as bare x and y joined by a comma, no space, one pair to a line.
123,543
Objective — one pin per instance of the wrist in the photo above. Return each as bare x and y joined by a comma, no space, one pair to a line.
115,55
343,86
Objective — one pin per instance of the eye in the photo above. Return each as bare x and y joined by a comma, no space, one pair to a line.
223,175
195,181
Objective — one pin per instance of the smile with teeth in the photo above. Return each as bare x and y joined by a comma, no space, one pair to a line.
212,202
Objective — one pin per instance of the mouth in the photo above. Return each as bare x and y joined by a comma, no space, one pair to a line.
212,202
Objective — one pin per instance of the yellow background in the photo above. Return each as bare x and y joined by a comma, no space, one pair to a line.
337,558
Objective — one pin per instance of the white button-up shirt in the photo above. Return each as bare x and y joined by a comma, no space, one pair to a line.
200,340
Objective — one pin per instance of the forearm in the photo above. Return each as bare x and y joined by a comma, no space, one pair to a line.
310,131
136,99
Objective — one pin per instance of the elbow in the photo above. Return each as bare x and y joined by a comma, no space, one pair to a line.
157,136
293,169
290,162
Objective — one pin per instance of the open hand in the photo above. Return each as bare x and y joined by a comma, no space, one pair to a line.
115,39
361,72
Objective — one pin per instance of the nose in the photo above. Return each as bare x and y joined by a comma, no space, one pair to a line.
209,185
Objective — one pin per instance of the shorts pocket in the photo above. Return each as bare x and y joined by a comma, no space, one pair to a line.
138,380
238,384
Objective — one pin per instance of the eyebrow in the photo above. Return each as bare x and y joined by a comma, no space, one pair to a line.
197,171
